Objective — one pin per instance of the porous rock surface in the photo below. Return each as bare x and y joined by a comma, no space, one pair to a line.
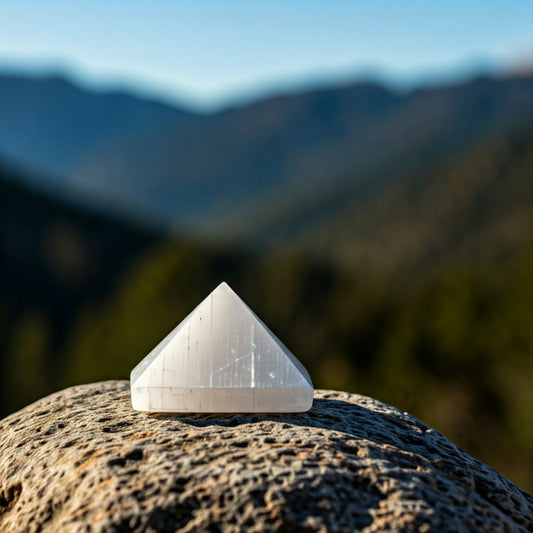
83,460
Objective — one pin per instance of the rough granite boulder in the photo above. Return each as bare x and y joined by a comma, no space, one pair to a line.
83,460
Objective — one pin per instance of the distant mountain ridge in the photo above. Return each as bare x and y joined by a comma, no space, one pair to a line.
50,124
260,173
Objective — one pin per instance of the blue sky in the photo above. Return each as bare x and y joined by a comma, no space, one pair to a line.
213,52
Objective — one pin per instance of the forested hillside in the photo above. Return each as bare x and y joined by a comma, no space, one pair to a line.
473,208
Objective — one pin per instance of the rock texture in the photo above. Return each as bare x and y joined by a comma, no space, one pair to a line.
83,460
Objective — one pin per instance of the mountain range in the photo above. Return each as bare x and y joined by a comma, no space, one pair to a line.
356,173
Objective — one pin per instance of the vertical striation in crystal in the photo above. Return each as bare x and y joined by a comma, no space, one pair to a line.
221,358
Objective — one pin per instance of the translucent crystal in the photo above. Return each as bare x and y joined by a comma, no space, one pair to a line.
221,358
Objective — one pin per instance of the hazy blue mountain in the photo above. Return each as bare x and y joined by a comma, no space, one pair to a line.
51,125
241,172
220,173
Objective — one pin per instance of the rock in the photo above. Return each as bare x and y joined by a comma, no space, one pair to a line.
83,460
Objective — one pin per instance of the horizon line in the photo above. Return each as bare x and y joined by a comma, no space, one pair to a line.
256,93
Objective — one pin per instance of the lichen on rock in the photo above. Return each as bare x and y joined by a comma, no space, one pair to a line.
83,460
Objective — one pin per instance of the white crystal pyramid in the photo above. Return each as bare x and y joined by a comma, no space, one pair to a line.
221,358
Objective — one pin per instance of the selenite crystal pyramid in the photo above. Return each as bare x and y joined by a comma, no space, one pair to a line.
220,359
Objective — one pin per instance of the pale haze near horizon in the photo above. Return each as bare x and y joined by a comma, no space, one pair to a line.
212,53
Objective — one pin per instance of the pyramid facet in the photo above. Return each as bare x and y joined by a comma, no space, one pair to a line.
221,358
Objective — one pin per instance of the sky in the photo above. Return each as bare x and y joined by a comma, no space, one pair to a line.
210,53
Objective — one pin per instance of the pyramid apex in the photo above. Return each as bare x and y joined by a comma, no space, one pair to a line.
224,288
